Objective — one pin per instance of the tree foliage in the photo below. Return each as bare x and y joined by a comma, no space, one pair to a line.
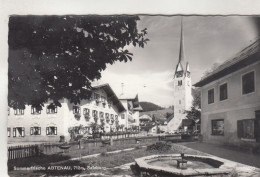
195,113
196,98
55,57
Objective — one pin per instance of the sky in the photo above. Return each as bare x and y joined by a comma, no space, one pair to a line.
207,40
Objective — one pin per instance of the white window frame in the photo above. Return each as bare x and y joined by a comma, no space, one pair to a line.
33,130
8,132
34,111
49,128
15,132
50,112
76,109
86,111
18,111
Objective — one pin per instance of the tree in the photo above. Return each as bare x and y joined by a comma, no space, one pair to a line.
168,115
195,113
211,69
55,57
196,98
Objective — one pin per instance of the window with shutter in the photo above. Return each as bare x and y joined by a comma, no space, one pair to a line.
18,111
246,129
76,109
31,131
23,132
8,132
257,130
239,128
35,111
217,127
51,109
47,130
211,96
14,132
223,92
248,83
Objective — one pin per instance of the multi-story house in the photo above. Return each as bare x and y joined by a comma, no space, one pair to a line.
230,100
103,108
132,107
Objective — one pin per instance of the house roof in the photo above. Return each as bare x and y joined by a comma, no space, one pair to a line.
134,100
145,117
170,118
139,108
111,95
247,56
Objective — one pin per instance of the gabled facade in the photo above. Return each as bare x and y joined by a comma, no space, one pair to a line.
230,100
182,90
49,124
133,108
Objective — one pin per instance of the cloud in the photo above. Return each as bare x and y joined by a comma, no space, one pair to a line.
207,39
153,88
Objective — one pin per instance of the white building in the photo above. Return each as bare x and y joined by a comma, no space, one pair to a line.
49,124
132,107
230,100
182,90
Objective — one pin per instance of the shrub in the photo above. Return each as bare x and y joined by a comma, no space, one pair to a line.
138,147
159,146
103,153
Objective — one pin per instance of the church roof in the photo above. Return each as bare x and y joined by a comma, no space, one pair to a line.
247,56
181,65
181,52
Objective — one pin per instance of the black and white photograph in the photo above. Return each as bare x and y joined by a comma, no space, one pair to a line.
133,95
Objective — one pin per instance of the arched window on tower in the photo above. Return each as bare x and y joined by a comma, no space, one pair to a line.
180,83
188,74
179,73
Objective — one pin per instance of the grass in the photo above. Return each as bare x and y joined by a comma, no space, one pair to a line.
96,150
103,163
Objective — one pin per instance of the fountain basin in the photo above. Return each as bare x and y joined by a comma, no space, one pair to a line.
166,165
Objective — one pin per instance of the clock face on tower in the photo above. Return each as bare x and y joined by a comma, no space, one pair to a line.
179,74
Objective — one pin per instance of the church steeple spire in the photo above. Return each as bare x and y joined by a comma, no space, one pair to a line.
181,54
181,65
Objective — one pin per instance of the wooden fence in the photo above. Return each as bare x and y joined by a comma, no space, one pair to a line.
16,152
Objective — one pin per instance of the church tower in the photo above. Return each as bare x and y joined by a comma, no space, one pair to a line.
182,89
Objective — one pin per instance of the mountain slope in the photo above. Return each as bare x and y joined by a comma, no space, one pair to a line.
148,106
